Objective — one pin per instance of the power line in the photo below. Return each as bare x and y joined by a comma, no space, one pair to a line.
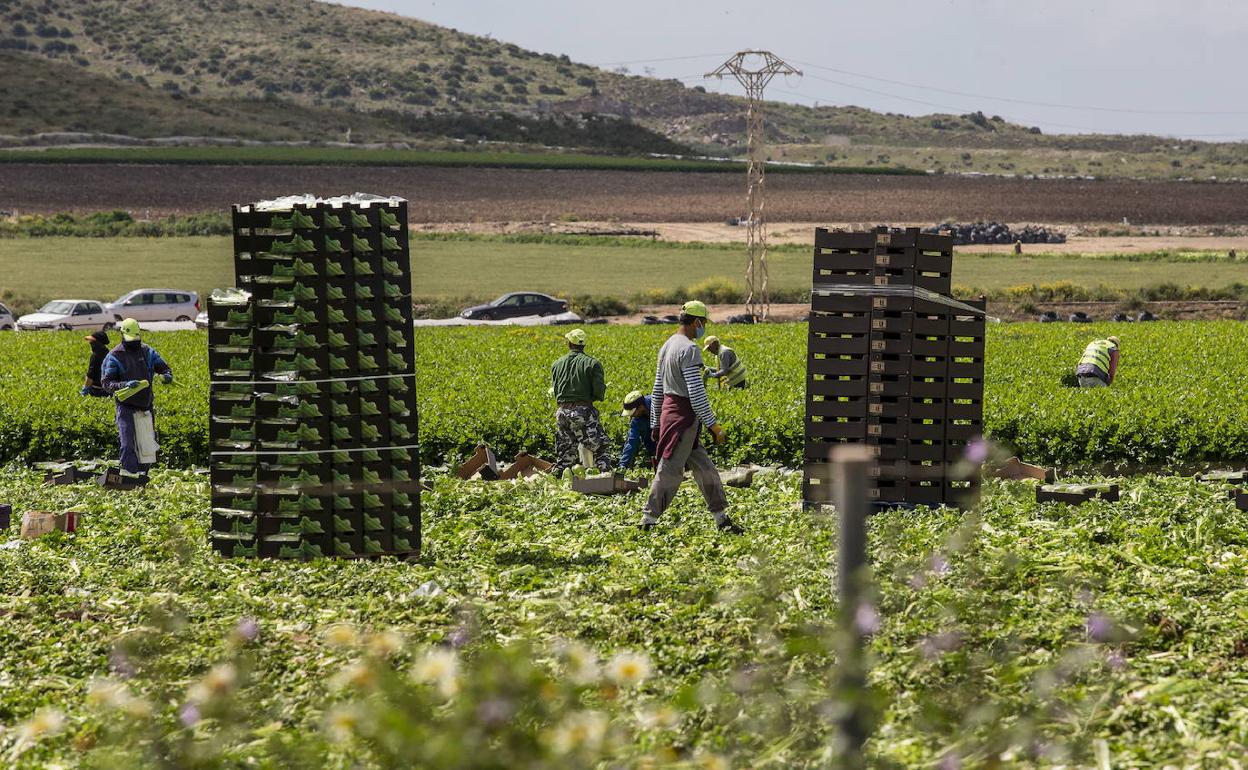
669,58
1055,105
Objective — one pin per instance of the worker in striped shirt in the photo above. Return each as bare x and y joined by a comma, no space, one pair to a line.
681,408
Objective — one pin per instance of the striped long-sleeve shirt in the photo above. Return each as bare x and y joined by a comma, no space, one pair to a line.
679,372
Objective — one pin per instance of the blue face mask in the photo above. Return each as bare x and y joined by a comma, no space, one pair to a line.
700,333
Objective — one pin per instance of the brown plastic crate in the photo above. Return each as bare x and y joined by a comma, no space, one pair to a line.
838,344
844,406
901,321
850,428
821,385
891,342
817,363
840,323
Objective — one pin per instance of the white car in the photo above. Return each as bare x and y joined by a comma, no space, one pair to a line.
68,314
201,320
6,319
155,305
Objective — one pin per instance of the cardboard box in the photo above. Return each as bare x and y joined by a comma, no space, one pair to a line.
606,484
39,523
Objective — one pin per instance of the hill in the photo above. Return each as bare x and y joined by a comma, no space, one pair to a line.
300,69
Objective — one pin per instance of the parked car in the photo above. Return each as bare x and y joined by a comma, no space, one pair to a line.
515,305
201,320
156,305
68,314
6,319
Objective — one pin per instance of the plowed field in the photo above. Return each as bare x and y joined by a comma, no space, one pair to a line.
459,195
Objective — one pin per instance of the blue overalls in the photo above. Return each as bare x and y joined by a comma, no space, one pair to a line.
124,363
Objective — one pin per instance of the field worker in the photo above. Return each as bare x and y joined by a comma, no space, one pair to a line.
91,386
1099,363
578,381
637,407
128,371
681,408
731,372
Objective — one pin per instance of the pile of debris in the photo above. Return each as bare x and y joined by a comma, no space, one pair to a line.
995,232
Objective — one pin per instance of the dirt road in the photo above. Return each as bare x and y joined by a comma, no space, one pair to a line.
457,195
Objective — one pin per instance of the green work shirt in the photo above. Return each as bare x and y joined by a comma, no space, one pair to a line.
578,377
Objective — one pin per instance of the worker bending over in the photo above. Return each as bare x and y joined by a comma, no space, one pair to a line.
731,372
99,350
1099,363
681,408
127,375
578,381
637,407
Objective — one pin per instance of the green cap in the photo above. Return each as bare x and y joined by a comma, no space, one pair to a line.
695,308
634,399
576,337
129,330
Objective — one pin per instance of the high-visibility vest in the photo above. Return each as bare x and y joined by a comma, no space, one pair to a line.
1097,354
736,374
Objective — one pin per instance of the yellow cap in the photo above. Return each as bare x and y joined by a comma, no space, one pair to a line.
129,330
695,308
576,337
633,397
1113,339
706,345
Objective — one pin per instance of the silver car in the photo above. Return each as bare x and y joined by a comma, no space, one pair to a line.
67,314
6,319
156,305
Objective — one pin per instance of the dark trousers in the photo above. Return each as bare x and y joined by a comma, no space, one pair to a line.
129,442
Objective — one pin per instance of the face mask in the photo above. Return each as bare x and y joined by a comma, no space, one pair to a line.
700,333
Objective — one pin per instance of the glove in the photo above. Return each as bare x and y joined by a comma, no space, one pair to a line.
717,431
132,384
168,377
86,390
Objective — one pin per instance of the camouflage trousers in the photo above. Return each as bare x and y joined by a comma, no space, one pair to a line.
580,425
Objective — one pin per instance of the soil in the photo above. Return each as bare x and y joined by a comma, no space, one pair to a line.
1187,238
491,195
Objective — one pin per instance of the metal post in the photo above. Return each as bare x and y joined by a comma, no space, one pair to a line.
851,484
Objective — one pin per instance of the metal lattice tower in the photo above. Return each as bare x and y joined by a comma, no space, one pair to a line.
754,70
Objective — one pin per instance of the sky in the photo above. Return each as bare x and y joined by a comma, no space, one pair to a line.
1168,67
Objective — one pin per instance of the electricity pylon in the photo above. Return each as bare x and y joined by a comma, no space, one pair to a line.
754,70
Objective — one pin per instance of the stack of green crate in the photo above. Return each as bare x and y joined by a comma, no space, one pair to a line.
313,400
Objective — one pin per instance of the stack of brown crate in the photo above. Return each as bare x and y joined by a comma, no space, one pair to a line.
893,362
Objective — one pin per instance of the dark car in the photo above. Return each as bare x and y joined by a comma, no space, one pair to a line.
515,305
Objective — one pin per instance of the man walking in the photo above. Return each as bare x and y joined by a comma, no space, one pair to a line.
636,407
731,372
681,408
1099,363
578,382
128,372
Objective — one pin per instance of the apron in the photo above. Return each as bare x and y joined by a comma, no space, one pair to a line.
145,437
675,417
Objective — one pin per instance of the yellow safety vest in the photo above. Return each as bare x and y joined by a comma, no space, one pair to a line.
736,374
1097,354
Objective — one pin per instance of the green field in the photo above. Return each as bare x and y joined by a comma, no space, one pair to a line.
1181,398
1024,635
37,269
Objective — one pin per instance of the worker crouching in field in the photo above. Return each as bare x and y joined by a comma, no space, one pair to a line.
681,408
128,371
731,372
637,408
1099,364
578,382
92,385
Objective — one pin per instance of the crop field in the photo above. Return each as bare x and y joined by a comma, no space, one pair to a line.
1180,398
39,269
540,629
509,195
